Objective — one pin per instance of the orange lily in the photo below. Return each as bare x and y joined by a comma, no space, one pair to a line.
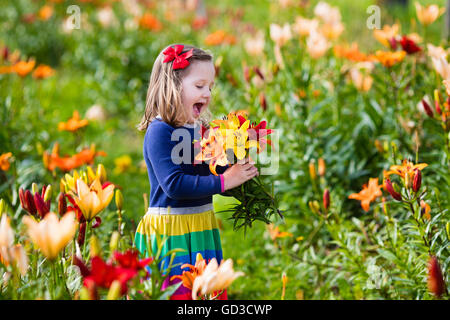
73,124
368,194
45,12
23,68
43,71
188,277
4,161
275,233
219,37
405,168
388,58
213,150
150,22
351,53
86,156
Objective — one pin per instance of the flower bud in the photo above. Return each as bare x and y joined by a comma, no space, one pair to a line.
425,210
114,290
62,203
84,294
275,69
393,43
44,188
407,181
48,193
314,206
247,75
89,291
2,206
284,280
90,174
95,249
97,222
436,283
101,173
62,185
113,243
119,200
326,199
321,167
437,101
29,201
379,146
22,198
84,177
34,187
41,206
390,188
81,234
417,180
258,72
262,101
385,206
312,170
427,108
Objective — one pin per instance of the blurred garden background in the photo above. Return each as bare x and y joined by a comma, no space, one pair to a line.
350,102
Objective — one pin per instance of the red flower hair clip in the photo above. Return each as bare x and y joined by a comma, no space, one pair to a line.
174,54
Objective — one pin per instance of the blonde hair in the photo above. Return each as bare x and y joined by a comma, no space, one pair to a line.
164,91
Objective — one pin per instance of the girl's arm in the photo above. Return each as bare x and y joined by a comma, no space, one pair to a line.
174,182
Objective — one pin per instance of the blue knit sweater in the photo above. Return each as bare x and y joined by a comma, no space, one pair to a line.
171,184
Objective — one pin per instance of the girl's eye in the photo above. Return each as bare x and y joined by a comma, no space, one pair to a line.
199,87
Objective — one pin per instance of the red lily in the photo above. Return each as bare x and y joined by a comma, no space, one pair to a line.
103,274
35,204
258,133
129,260
409,45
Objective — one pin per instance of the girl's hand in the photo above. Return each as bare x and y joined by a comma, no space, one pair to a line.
237,174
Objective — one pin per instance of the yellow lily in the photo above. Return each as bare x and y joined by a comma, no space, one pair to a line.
88,176
237,137
92,199
50,234
386,34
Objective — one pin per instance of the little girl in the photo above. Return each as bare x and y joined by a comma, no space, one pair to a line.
181,193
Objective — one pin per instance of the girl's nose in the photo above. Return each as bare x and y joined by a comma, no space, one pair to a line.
206,93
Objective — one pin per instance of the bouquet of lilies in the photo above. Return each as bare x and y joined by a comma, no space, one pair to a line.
229,141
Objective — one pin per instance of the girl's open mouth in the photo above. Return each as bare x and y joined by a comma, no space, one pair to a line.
197,108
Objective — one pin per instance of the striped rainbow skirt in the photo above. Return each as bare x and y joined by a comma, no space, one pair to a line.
193,229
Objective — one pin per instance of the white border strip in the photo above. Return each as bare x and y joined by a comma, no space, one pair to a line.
183,210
